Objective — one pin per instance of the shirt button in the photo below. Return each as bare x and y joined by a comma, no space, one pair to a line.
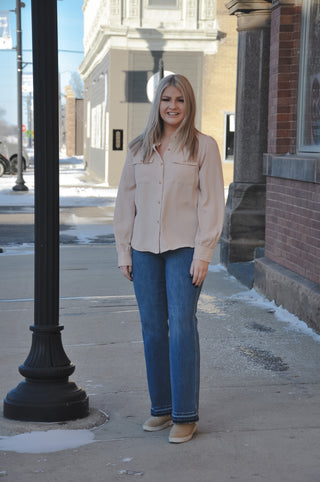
160,182
168,148
158,202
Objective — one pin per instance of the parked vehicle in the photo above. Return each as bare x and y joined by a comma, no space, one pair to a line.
9,151
4,165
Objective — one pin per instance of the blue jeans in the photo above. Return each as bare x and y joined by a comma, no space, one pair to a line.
167,302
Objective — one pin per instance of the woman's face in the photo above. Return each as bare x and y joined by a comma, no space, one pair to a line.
172,107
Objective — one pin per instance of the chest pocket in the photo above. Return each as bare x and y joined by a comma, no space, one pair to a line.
143,171
183,171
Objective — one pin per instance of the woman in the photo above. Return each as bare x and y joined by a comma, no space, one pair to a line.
168,219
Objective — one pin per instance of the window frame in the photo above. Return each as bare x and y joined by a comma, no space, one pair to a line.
305,78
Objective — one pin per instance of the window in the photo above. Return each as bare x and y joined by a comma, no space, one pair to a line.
163,3
229,128
309,82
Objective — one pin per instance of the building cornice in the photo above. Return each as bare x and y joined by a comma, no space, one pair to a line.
245,6
108,38
253,20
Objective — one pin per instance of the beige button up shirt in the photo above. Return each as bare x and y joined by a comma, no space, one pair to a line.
170,202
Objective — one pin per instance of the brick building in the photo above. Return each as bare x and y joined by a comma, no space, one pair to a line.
73,123
287,186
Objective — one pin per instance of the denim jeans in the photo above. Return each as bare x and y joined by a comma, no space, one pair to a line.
167,302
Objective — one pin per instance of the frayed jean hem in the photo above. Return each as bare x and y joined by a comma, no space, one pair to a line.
159,412
185,417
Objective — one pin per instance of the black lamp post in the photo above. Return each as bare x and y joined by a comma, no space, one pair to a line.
20,184
46,394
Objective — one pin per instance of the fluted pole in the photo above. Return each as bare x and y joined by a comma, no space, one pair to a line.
46,395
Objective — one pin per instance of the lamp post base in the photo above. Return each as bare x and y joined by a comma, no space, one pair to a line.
20,187
46,394
43,401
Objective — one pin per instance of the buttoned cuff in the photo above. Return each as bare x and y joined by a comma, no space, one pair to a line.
125,257
203,252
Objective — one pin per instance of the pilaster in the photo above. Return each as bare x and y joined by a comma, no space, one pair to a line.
244,224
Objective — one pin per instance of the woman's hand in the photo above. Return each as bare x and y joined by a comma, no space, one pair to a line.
198,271
126,271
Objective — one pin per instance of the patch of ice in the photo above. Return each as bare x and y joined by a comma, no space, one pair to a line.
45,442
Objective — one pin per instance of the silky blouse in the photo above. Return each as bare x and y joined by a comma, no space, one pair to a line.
171,202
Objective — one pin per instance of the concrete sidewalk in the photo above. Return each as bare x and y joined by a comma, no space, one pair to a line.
260,382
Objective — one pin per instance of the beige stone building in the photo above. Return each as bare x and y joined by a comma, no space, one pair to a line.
124,41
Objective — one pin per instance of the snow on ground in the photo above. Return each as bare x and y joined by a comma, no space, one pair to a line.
217,268
76,187
254,298
45,442
294,323
22,249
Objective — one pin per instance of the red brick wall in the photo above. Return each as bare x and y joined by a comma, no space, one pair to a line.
292,207
293,226
283,80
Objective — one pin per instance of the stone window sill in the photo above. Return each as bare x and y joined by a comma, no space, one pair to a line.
299,167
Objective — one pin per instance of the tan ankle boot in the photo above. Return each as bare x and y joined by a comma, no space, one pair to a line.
153,424
182,432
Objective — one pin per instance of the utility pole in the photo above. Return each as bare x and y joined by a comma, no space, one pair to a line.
20,184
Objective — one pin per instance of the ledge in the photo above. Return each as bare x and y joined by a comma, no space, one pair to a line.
289,290
297,167
235,6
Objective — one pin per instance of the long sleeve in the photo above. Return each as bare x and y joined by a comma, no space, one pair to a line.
125,213
211,204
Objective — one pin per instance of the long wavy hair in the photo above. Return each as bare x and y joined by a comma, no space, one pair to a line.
187,134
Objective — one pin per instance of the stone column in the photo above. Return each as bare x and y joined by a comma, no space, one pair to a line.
244,224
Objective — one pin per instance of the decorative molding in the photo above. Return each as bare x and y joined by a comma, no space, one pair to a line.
134,8
115,8
235,6
191,10
187,28
256,19
208,10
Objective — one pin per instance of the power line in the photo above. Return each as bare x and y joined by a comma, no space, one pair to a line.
61,50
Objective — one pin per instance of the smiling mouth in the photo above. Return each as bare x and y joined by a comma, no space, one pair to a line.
173,113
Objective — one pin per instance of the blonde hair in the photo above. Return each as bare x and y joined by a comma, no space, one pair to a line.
186,133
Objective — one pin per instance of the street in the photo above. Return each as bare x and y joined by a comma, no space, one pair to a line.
86,207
